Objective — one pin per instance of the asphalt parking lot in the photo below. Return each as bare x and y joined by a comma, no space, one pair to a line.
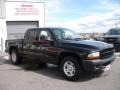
28,77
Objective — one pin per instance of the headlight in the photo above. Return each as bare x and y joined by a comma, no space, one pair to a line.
93,56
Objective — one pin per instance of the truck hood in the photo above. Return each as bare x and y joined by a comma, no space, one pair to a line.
86,44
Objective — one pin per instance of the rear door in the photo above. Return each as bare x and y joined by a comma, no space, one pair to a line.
28,43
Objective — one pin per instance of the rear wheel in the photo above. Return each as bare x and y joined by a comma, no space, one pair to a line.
70,68
14,57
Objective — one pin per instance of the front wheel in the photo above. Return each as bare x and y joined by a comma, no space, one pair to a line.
14,57
70,68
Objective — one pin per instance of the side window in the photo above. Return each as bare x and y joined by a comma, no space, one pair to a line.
32,35
58,34
45,35
26,37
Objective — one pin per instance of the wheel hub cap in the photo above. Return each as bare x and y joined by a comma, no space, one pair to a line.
69,68
14,57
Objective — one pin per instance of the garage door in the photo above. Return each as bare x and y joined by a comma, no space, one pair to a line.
16,29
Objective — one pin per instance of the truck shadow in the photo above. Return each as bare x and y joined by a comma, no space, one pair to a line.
51,71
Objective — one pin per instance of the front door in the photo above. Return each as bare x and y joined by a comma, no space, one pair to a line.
47,46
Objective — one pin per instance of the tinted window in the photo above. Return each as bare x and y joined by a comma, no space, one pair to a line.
27,35
66,34
32,35
113,32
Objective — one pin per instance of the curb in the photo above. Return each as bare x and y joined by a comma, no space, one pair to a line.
117,55
3,53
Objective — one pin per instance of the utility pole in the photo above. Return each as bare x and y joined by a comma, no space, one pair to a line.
2,9
3,32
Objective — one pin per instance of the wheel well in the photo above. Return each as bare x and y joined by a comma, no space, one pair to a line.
12,48
64,54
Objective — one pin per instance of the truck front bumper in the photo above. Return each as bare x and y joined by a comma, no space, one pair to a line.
96,65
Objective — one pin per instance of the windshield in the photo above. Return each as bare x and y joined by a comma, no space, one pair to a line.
66,34
113,32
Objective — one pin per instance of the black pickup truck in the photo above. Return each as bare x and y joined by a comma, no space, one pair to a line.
112,36
64,48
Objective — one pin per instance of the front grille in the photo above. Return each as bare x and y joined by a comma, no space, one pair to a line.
111,40
106,53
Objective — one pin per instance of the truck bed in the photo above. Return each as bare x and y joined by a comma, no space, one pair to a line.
13,43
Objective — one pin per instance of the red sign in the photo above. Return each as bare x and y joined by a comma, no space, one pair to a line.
26,9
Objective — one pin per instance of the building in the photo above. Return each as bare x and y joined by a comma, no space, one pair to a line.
16,16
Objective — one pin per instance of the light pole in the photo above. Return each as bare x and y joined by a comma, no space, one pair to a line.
116,25
3,32
2,9
44,13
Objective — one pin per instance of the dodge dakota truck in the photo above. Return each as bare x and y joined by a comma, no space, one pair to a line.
112,36
62,47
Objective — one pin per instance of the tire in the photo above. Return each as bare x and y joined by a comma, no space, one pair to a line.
14,57
70,68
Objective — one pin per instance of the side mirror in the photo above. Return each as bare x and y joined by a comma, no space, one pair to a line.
51,42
